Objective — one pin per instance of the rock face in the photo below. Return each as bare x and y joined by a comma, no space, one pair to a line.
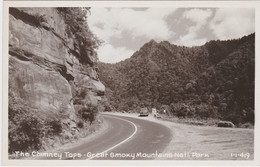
43,68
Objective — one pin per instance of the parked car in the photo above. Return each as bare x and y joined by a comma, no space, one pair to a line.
144,112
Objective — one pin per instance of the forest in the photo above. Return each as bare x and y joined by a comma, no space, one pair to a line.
215,80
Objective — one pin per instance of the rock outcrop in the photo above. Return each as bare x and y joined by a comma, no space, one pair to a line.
44,70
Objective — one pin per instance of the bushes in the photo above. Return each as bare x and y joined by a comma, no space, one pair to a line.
76,26
26,127
88,113
55,126
25,132
203,110
182,110
80,124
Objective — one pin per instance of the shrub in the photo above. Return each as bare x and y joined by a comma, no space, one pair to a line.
246,125
25,133
56,127
24,128
88,113
80,124
182,110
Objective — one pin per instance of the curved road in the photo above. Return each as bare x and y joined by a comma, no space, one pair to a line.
126,138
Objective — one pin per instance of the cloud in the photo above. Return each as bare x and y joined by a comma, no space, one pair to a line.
149,23
231,23
191,39
199,18
110,24
109,54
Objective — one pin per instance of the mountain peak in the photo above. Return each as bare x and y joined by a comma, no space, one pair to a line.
150,44
152,41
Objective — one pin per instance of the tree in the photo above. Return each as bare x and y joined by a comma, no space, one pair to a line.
77,27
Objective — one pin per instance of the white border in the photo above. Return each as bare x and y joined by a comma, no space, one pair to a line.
175,4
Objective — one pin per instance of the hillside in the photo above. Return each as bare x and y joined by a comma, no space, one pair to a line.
215,80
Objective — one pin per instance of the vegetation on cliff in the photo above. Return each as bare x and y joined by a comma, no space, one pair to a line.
53,84
215,80
77,28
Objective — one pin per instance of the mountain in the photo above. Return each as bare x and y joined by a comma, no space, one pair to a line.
215,80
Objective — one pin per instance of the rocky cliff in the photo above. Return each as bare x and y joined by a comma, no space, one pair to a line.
47,74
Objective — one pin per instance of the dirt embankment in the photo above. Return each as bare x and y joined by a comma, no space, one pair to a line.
206,142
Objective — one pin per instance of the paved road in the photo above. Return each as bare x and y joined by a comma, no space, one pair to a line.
125,139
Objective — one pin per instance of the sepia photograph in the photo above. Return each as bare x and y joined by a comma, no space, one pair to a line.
147,83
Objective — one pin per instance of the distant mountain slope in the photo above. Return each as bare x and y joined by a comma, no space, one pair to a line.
213,80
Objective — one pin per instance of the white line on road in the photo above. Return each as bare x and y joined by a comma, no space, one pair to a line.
121,141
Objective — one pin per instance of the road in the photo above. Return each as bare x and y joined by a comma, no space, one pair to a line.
125,139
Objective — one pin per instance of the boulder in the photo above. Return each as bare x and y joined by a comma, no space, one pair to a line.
226,124
96,86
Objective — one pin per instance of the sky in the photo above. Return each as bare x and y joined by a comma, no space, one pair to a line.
125,30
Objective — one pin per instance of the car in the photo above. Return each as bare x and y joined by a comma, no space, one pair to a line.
144,112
